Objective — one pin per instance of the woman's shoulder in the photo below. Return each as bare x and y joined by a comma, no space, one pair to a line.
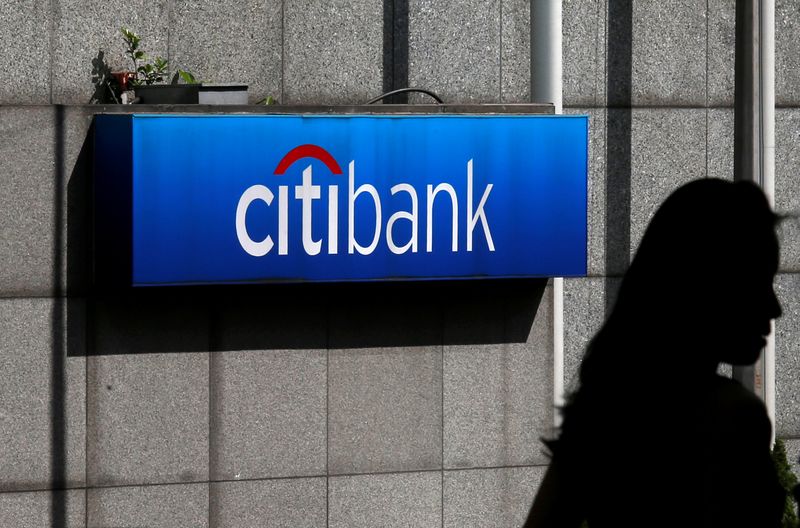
742,486
725,391
730,409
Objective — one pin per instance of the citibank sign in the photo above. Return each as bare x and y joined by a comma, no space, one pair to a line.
246,198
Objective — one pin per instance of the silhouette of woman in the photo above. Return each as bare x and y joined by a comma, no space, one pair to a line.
653,436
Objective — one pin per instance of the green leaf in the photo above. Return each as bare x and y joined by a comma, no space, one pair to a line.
160,64
132,38
187,77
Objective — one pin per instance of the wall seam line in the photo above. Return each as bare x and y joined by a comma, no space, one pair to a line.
51,26
58,340
327,414
272,479
596,51
211,465
170,23
441,335
86,338
283,52
502,99
708,16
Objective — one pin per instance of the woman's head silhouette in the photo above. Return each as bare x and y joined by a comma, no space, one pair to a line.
702,276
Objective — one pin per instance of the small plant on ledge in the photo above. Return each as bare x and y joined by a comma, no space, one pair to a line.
144,72
147,76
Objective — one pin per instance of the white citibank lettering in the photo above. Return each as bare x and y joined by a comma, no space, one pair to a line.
307,192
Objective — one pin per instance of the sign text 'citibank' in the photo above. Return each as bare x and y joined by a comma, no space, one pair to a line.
307,193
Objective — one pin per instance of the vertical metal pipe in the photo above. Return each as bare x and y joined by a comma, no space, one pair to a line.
546,52
546,72
767,91
746,121
754,143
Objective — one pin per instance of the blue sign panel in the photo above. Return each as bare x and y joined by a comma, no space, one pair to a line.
256,198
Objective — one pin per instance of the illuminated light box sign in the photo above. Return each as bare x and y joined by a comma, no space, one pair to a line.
193,199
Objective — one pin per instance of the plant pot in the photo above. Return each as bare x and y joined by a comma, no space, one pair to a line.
123,79
168,93
223,94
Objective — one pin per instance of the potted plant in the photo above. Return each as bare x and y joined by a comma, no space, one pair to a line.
147,76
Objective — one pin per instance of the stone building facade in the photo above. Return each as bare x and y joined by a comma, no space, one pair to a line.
344,405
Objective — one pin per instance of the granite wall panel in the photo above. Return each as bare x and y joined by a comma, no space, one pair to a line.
64,509
668,149
515,53
332,51
268,413
720,143
584,52
177,506
787,185
45,162
42,424
296,503
384,379
787,357
220,42
25,39
787,53
385,409
150,321
721,52
498,397
669,53
485,498
147,419
390,500
29,231
454,49
270,317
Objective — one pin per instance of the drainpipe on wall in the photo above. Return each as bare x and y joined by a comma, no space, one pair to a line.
546,88
768,169
754,145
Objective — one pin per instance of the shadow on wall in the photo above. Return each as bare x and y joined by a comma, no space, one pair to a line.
282,316
619,126
101,79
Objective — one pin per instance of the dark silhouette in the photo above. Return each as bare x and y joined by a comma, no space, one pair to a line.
653,436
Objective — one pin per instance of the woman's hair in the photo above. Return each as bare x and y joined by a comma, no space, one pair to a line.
696,246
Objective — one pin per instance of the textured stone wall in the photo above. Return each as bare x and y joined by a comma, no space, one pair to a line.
357,405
